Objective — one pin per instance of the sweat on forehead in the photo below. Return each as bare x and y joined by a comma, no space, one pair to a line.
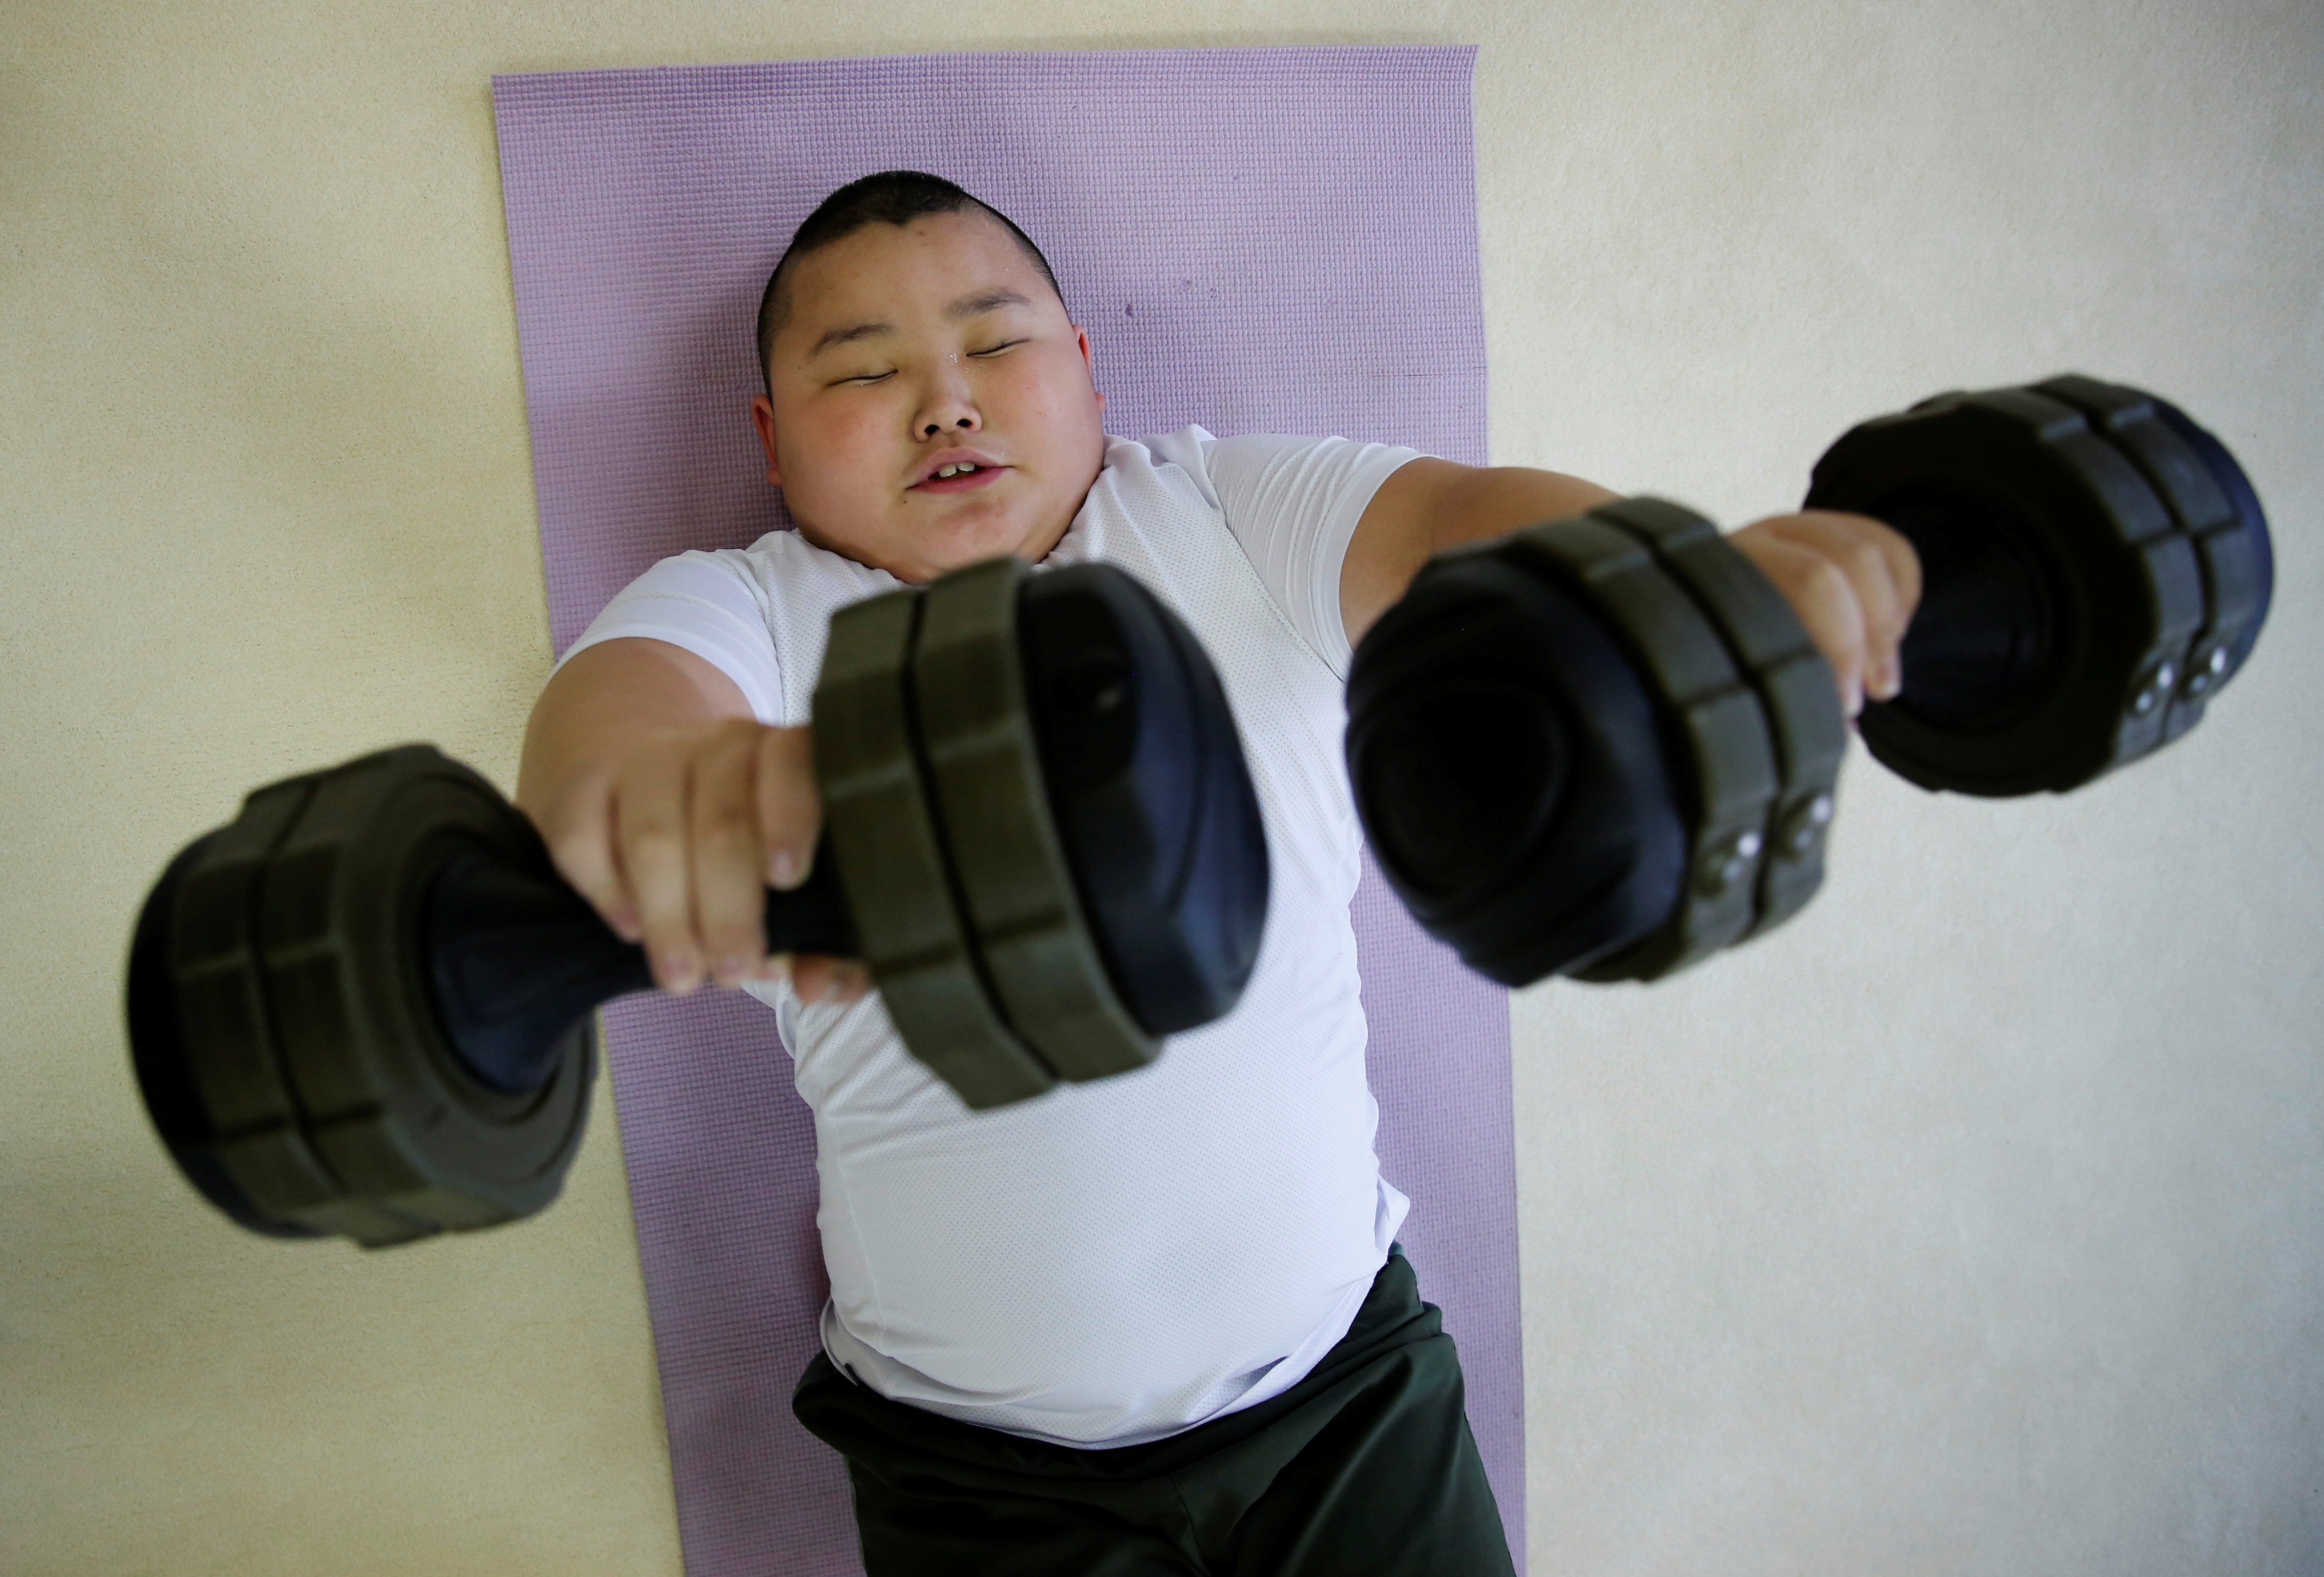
893,197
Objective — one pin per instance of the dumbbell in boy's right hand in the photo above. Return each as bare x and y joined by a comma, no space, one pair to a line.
364,1007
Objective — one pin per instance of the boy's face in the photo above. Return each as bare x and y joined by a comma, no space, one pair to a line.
913,349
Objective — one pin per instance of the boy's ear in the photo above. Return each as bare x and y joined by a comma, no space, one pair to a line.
1081,338
762,417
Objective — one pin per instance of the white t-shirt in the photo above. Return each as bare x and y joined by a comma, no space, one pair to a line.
1112,1262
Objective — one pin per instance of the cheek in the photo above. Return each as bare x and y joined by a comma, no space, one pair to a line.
837,451
1052,393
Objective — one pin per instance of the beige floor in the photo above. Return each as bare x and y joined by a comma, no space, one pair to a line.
1973,1224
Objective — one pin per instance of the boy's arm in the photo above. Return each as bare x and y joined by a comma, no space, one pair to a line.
1853,581
671,808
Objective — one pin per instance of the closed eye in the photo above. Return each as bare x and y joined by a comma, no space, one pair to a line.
869,378
996,349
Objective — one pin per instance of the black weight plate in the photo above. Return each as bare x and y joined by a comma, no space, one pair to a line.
394,1111
1728,770
2213,571
1510,769
236,1050
1152,801
2239,564
1797,693
984,776
162,1061
2213,503
2056,593
899,875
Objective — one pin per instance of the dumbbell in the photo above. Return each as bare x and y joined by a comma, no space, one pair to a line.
364,1007
1606,748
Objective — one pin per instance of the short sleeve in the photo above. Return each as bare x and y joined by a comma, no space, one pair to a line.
708,604
1293,503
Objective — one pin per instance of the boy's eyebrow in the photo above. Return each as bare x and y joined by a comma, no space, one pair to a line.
966,307
985,301
848,335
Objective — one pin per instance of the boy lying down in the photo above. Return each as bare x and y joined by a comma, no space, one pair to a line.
1159,1322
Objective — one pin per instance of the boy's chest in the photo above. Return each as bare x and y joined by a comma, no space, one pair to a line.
1288,705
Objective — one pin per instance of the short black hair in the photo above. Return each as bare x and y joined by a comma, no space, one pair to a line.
893,197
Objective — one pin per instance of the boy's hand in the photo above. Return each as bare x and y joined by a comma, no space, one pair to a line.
1854,584
675,842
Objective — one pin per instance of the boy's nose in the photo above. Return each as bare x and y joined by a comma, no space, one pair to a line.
945,406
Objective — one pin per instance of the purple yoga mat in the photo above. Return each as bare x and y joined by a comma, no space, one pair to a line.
1274,240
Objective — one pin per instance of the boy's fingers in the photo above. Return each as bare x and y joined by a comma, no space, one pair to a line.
1883,571
1825,600
651,835
790,809
1904,563
820,978
722,841
580,842
1904,574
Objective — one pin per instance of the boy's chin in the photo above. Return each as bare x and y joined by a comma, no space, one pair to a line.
958,544
924,551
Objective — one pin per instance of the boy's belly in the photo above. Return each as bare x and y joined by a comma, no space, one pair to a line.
1113,1261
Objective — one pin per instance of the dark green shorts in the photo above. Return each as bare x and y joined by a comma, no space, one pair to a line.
1367,1466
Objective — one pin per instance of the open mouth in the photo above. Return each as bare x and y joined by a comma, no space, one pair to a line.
959,477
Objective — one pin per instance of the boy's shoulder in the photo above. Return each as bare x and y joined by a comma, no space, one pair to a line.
1182,456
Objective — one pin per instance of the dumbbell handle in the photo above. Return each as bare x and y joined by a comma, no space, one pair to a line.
516,957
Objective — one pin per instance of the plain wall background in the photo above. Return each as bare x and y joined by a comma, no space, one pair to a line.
1973,1224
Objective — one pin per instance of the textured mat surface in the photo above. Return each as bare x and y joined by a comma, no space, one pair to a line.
1260,240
